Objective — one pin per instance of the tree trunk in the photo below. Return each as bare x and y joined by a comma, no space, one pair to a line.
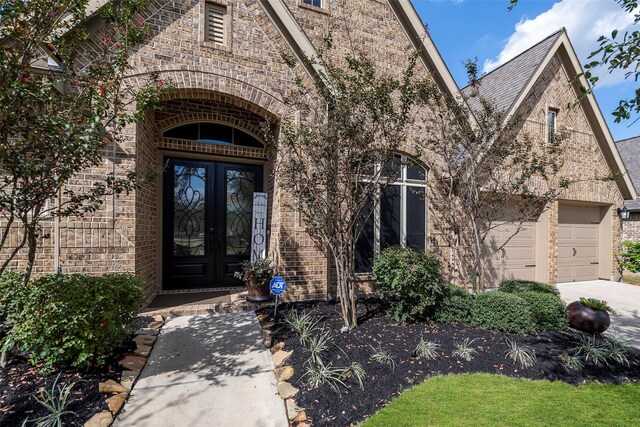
346,292
4,359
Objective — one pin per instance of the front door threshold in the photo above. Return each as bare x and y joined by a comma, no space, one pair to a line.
200,301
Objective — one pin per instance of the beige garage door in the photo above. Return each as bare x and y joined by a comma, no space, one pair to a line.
578,229
510,252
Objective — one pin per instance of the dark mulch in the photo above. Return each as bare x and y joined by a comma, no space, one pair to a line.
21,383
327,406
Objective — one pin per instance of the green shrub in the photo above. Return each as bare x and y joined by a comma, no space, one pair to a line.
455,307
9,284
410,281
503,312
513,286
71,320
548,311
630,258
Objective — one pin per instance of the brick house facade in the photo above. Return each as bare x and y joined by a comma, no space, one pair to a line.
234,75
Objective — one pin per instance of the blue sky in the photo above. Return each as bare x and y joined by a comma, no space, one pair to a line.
486,30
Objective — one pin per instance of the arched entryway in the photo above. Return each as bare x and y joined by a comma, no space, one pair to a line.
213,157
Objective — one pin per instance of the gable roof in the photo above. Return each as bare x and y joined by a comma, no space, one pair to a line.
532,63
502,85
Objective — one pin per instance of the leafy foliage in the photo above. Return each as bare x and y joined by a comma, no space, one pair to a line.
350,120
59,121
410,281
318,345
463,350
357,372
261,269
455,306
55,402
303,324
427,349
514,286
71,320
320,374
596,304
384,357
523,355
630,258
547,310
503,312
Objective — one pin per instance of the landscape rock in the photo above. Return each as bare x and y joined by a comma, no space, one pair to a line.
101,419
277,347
267,325
116,402
145,339
284,373
158,318
128,384
300,418
286,390
142,350
128,378
266,338
147,331
133,363
262,317
155,325
280,357
110,386
292,409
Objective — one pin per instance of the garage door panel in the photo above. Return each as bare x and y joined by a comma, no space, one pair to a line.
516,256
565,232
578,243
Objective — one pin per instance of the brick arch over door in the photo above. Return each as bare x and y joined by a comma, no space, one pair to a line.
208,85
214,117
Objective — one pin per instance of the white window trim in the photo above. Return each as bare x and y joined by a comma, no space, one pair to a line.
555,112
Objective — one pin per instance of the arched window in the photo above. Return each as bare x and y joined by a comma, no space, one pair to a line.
400,216
213,133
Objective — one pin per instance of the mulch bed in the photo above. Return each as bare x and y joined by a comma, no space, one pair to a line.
21,383
327,406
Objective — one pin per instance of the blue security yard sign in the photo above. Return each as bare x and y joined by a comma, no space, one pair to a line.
278,285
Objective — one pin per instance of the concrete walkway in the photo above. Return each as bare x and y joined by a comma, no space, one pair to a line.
207,370
623,298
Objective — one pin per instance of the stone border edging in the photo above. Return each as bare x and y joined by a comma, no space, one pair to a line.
296,415
118,393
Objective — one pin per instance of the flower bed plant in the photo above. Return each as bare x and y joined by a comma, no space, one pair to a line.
69,320
346,377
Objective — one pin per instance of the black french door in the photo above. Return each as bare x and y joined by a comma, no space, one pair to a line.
207,221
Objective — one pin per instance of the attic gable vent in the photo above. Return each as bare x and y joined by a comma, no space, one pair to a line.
215,17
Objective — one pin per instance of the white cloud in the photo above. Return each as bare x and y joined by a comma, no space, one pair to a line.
585,21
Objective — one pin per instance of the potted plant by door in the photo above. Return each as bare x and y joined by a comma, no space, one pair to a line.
256,276
589,315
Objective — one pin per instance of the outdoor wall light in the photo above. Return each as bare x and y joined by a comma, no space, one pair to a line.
624,213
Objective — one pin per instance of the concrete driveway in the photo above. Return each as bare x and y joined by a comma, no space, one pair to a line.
207,371
623,298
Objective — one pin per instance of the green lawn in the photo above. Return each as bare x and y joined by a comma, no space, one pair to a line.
492,400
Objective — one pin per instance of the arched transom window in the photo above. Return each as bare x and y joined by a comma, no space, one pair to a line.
213,133
399,218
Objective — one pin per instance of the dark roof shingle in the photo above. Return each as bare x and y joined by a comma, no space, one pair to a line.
503,85
630,152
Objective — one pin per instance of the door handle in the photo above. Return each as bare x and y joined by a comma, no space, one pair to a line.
574,251
219,242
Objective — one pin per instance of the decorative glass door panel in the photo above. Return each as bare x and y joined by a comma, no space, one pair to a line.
207,221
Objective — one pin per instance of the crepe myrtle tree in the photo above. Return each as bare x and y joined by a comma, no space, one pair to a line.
331,152
482,173
617,51
56,121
